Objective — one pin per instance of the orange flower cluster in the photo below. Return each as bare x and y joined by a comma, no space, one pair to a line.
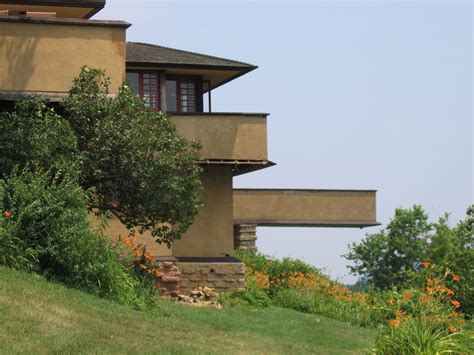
433,304
323,286
263,281
142,259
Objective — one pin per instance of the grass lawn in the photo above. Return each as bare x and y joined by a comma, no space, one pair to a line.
37,316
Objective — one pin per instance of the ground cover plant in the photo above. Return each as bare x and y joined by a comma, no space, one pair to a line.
426,319
37,316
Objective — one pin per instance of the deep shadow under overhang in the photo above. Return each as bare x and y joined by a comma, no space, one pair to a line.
239,167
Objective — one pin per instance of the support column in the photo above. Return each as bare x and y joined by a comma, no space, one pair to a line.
163,107
245,236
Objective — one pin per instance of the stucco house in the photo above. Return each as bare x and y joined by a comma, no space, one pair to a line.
43,45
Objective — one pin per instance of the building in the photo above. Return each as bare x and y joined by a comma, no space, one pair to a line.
43,45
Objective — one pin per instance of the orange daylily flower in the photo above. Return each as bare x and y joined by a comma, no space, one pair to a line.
7,214
456,278
425,263
453,329
390,301
449,292
394,322
142,266
456,304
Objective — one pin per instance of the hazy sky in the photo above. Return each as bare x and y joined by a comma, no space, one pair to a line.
362,95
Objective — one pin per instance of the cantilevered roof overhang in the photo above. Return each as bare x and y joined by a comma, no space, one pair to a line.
83,9
305,208
216,71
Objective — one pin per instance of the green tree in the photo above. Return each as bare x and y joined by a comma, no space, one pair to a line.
138,166
35,135
452,248
386,258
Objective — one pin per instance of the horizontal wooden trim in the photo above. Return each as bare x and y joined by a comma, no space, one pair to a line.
331,224
65,22
161,65
299,190
210,114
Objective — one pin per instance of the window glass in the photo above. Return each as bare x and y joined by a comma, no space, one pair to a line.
134,81
188,96
151,90
171,97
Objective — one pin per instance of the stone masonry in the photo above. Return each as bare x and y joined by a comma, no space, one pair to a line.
223,276
245,236
169,278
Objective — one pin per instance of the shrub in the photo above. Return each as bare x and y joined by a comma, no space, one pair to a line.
277,272
254,294
45,228
416,336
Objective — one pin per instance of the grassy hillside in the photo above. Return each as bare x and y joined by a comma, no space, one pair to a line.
42,317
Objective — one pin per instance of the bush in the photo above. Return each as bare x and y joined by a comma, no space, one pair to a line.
45,228
275,271
253,294
416,336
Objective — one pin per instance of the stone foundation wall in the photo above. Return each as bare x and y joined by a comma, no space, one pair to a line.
245,236
221,277
168,278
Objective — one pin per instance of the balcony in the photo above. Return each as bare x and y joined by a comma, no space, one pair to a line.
42,56
312,208
238,138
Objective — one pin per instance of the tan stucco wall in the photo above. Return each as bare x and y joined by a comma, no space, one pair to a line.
116,229
212,233
236,137
305,207
37,57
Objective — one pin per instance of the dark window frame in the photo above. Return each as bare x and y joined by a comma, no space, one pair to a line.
198,90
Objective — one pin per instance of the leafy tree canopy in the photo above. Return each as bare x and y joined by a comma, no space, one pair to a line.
392,256
132,158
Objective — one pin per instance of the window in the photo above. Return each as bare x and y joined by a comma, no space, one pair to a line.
147,87
181,92
181,95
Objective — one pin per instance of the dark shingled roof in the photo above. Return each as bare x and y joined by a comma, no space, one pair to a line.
144,53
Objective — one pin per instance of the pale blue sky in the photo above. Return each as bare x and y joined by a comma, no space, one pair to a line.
362,95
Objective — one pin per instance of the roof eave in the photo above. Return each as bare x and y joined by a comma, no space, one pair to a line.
242,70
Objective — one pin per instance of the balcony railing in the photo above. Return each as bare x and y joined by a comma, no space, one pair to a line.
42,56
226,136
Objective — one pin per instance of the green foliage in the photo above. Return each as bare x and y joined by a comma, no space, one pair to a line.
252,295
34,135
47,318
387,257
393,256
276,270
452,248
45,228
416,336
140,168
